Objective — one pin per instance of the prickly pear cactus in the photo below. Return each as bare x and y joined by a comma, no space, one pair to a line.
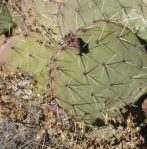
39,12
30,53
77,13
64,16
100,69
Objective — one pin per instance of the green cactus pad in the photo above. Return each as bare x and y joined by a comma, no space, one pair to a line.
65,16
29,54
40,13
98,71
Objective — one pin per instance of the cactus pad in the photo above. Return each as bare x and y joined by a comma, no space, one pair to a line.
100,69
65,16
30,54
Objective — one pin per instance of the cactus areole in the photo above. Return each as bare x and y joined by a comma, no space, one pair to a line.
98,71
